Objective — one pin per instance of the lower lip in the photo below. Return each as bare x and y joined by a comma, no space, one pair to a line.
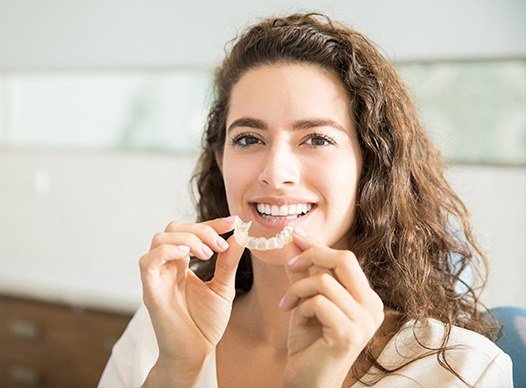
279,222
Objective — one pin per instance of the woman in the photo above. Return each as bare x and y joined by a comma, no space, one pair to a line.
308,112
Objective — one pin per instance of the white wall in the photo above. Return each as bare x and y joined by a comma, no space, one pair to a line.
53,34
496,199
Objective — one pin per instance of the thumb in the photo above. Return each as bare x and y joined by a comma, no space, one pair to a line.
294,276
224,280
299,244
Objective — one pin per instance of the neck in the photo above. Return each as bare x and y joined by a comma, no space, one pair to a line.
258,311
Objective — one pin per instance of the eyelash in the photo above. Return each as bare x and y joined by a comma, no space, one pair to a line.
235,141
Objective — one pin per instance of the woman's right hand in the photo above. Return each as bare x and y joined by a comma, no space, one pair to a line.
189,316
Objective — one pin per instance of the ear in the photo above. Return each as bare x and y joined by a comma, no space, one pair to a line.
219,161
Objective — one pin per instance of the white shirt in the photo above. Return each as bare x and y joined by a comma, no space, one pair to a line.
480,362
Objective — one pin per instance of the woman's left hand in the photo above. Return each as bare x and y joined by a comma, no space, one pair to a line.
336,315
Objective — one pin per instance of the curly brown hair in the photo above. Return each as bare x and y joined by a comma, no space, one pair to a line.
403,235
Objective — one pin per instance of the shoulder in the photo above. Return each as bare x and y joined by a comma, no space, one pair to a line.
473,356
432,333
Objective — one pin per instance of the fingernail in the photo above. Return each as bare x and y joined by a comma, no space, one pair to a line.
282,302
293,260
222,243
183,248
206,250
300,232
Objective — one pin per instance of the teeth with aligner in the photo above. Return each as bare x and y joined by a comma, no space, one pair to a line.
242,238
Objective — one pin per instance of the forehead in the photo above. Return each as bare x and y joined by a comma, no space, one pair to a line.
284,93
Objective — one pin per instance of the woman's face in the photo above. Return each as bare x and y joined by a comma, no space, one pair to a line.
267,155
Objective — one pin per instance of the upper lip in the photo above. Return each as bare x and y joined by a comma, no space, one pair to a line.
281,200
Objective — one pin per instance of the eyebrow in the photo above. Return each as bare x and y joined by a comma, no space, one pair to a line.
296,126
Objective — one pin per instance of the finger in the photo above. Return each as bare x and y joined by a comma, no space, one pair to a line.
337,326
327,286
207,232
220,225
343,263
197,246
223,282
151,263
303,240
299,246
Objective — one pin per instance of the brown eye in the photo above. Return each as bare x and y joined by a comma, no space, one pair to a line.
320,140
243,140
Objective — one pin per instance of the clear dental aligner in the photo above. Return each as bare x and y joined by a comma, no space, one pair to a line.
260,243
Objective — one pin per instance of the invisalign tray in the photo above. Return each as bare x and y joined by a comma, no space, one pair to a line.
241,235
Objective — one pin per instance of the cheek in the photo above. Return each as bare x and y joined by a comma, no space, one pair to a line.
336,186
333,177
237,176
343,165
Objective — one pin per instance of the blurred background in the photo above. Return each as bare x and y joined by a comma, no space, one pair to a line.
102,105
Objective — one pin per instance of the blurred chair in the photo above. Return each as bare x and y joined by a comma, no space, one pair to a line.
513,319
513,339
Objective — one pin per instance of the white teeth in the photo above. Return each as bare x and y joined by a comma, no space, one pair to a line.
283,210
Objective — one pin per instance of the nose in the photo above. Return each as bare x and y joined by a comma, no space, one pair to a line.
280,169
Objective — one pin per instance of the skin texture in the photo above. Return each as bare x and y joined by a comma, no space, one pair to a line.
282,162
